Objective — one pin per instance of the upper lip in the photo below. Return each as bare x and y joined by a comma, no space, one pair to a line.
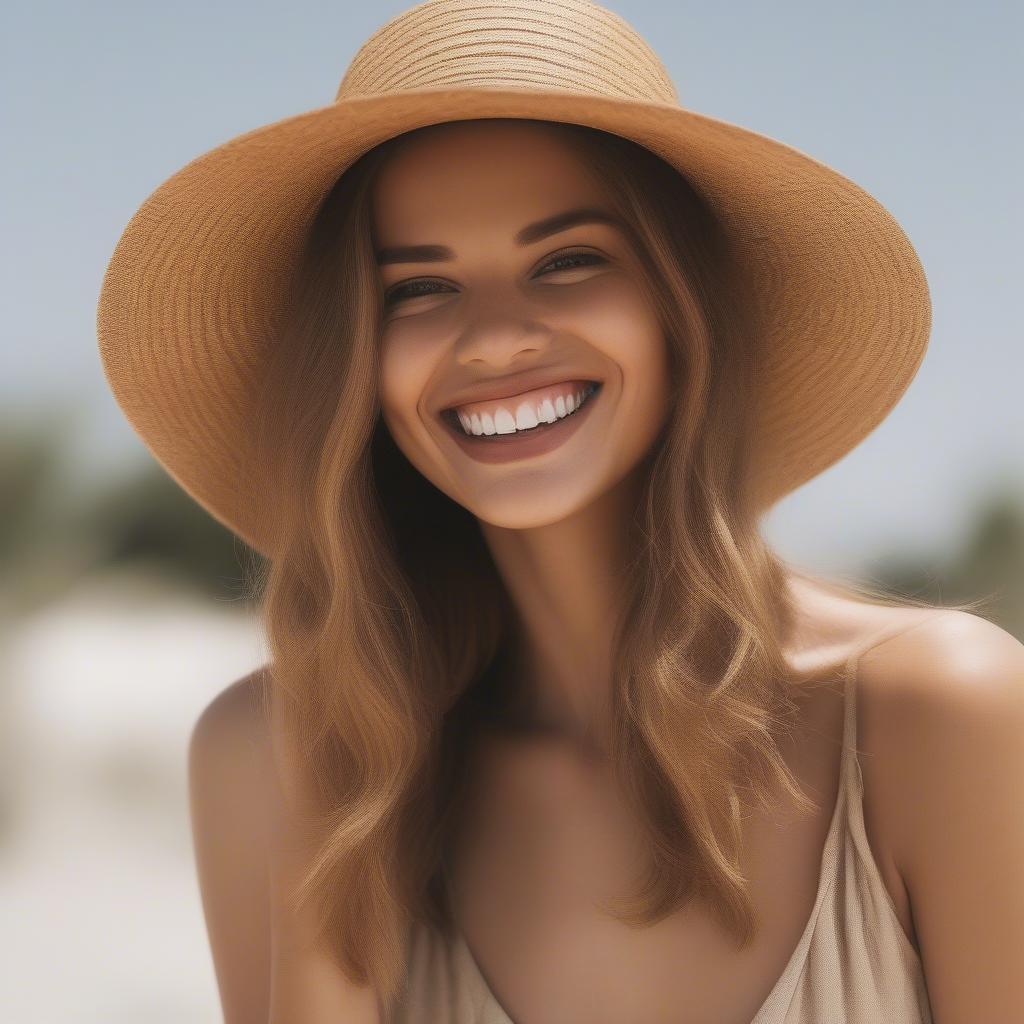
512,385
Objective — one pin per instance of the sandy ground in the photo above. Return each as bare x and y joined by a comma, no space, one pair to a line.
101,919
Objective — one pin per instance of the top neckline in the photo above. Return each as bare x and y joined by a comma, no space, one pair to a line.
826,873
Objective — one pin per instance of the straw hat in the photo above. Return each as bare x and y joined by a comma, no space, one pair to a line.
188,301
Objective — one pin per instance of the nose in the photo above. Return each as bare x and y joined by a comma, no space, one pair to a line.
498,329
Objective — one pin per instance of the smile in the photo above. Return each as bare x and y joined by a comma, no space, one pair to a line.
522,413
548,431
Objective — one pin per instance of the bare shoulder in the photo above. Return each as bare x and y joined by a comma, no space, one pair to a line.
228,814
945,720
234,714
227,752
946,655
943,670
925,694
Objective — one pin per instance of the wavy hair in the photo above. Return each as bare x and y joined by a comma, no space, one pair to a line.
390,632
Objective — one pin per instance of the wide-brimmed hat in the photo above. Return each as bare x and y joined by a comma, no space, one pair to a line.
188,303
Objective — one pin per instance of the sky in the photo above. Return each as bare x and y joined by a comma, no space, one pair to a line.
919,103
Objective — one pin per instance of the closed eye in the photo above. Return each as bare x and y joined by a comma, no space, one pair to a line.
421,285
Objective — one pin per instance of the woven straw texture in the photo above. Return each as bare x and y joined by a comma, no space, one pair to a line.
191,298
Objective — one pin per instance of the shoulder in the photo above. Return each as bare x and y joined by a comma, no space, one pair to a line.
947,655
937,695
234,715
227,803
940,688
228,754
944,703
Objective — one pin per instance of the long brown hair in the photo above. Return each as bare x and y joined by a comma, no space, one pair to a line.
388,625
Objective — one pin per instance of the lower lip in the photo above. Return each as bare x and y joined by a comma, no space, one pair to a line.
538,441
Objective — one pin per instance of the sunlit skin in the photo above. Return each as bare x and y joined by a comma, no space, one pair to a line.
546,838
554,522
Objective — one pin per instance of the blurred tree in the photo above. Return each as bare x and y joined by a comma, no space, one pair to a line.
148,519
52,534
989,563
37,558
30,455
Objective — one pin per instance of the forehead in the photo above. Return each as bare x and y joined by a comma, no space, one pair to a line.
462,177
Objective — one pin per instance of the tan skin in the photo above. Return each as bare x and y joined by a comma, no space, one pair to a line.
554,523
546,821
548,836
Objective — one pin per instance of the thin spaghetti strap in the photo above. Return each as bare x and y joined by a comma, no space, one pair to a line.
850,673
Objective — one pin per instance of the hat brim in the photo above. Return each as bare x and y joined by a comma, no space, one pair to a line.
188,300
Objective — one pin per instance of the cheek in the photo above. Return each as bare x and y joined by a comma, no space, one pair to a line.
633,339
405,370
625,325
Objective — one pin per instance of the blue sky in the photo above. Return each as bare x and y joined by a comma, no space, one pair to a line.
916,102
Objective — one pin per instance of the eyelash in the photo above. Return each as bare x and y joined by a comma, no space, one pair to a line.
400,291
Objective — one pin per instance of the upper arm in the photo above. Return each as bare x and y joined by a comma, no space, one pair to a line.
233,792
228,822
954,718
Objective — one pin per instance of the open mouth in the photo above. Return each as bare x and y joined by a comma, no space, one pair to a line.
451,419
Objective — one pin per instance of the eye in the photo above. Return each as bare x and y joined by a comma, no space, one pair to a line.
588,258
410,290
423,285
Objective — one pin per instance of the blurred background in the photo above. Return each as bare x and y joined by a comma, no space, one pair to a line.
121,610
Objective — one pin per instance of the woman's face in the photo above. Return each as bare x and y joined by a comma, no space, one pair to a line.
491,300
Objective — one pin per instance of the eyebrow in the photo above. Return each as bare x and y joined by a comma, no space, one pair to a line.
531,233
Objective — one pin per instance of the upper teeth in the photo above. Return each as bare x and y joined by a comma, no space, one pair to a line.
500,420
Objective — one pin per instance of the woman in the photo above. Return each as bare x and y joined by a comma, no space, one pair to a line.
548,733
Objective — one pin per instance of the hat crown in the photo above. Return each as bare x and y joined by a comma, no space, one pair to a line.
571,45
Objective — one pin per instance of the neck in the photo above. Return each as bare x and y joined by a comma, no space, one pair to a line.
566,581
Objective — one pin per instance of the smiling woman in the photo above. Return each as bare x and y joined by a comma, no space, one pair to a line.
499,360
522,576
501,204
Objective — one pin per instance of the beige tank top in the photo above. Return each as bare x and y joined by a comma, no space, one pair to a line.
853,965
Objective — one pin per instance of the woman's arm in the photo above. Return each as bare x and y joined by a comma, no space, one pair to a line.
951,736
265,967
